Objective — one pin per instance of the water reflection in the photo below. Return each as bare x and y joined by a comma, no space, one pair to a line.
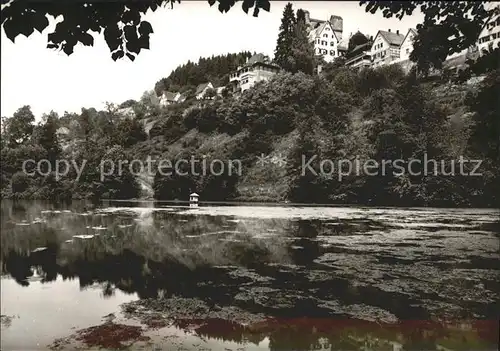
368,267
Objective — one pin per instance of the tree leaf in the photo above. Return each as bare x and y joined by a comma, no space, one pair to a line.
247,4
134,46
130,56
117,54
87,39
145,28
265,5
144,42
10,29
40,22
68,49
211,2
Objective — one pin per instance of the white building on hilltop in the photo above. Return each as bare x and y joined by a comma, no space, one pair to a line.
386,48
407,44
257,68
489,39
327,36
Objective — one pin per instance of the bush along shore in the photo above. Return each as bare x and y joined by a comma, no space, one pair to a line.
276,130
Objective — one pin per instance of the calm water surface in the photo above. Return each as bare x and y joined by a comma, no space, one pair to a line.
67,267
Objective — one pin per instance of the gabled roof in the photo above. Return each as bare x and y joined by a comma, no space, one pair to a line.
256,58
315,23
391,38
317,31
169,96
62,130
411,30
201,87
362,47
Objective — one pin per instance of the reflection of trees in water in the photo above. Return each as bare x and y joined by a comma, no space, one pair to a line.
305,249
336,334
181,255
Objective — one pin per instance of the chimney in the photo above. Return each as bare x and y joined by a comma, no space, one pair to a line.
397,31
389,30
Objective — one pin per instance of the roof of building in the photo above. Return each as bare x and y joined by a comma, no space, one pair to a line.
391,37
362,47
259,59
322,26
62,130
411,30
256,58
201,87
343,45
169,95
315,23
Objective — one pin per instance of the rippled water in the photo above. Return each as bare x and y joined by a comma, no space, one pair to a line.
66,267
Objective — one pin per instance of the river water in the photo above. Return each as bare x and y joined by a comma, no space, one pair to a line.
327,277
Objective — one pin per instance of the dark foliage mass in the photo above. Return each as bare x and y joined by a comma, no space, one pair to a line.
215,69
119,21
340,114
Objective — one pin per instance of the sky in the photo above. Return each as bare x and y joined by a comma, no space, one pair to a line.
49,80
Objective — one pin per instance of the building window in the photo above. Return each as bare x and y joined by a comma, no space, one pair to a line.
332,43
332,52
407,50
324,42
317,41
327,28
494,35
325,35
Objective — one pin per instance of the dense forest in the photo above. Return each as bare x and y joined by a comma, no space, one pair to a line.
342,114
338,115
215,69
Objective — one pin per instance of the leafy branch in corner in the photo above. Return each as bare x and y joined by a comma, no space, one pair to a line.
120,22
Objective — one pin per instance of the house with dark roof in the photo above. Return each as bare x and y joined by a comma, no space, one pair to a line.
386,47
360,56
326,36
202,89
257,68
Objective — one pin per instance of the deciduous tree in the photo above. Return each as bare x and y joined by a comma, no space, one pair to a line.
20,126
120,21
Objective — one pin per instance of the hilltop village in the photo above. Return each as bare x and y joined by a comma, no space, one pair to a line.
325,94
386,47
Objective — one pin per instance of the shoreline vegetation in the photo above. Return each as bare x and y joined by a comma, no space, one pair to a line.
338,120
340,113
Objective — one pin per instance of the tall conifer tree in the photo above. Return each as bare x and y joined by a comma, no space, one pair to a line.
283,52
304,59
